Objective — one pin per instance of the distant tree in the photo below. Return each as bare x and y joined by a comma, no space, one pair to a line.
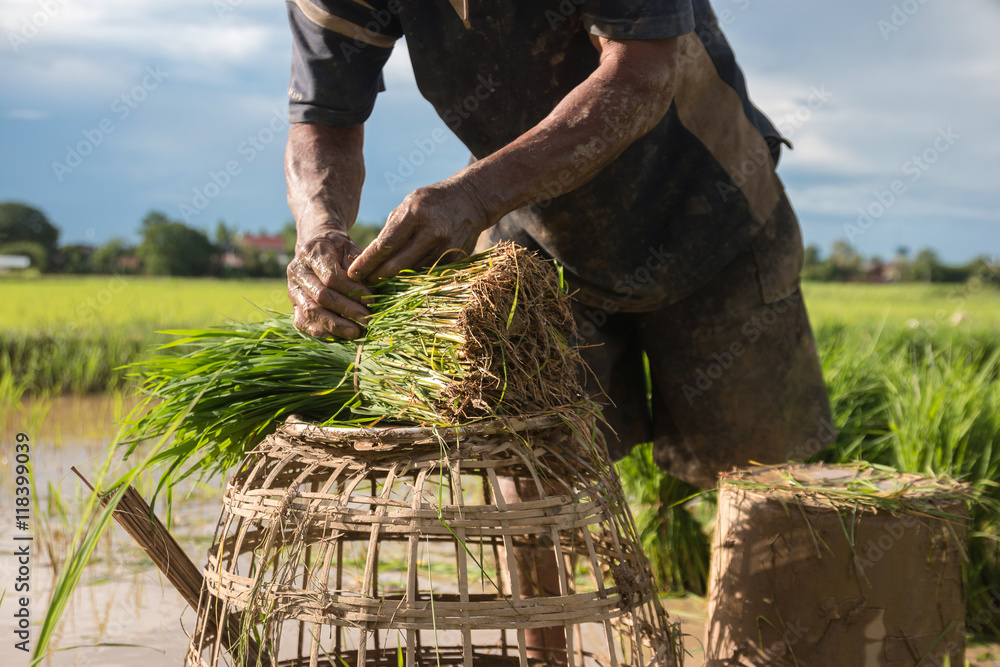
813,265
171,248
986,269
901,264
925,264
225,235
107,258
257,264
845,262
362,233
39,255
813,256
75,258
288,231
20,222
983,269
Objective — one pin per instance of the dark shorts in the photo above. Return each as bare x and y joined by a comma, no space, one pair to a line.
734,376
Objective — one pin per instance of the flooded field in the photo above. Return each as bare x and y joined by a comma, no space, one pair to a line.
123,612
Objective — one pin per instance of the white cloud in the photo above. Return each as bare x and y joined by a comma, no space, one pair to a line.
85,50
228,72
28,114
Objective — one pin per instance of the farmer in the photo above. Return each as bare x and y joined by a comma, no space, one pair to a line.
615,137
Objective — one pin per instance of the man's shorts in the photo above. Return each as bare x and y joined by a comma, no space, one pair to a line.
734,376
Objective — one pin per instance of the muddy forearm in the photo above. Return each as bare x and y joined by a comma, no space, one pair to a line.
625,97
325,169
622,100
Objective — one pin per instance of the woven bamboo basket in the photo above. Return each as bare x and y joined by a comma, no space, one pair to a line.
405,546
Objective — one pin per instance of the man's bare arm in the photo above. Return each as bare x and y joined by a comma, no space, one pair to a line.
623,99
325,169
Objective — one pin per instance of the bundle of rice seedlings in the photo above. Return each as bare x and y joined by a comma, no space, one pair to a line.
489,336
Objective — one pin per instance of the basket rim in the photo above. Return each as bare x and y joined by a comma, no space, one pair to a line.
821,483
296,426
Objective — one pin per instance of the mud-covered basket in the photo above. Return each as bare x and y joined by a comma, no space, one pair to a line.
406,546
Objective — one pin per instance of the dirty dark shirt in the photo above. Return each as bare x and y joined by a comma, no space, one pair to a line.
654,225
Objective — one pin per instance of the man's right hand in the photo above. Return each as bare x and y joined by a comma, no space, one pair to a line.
327,303
325,168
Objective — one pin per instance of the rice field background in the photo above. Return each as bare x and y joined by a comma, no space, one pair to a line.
913,372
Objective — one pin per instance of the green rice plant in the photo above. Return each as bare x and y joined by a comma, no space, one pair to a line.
91,528
70,334
70,360
930,406
671,521
931,306
913,399
62,334
483,337
112,303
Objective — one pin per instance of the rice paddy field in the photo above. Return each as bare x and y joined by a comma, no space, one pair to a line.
913,372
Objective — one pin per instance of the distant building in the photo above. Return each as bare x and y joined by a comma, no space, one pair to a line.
878,271
14,262
74,258
267,243
231,257
130,262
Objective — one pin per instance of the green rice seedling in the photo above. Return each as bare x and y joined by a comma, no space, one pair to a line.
935,410
89,531
70,360
913,399
673,534
491,335
74,334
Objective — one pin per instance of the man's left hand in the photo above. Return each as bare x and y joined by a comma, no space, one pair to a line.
430,222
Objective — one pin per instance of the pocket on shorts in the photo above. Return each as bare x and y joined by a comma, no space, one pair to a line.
777,249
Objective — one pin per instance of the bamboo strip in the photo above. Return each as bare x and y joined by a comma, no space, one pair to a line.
337,527
137,518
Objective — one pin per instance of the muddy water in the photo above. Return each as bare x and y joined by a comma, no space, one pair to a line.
122,599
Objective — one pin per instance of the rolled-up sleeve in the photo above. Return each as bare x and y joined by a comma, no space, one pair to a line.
339,48
658,19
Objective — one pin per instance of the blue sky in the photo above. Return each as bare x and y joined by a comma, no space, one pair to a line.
892,107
